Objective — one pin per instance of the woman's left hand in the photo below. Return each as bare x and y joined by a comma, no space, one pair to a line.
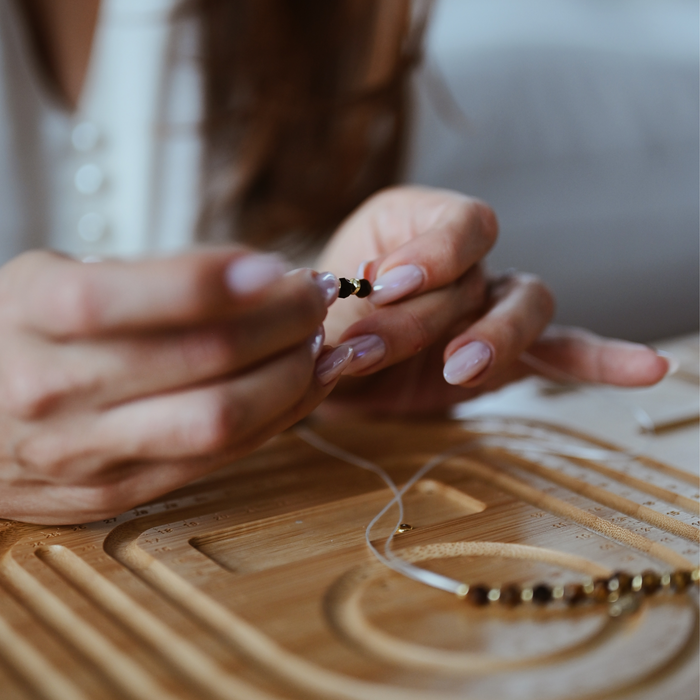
437,329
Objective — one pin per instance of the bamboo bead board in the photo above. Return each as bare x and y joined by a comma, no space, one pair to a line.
255,583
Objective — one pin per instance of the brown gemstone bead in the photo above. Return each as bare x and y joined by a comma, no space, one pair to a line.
680,580
510,595
478,595
623,581
600,590
574,594
651,582
542,594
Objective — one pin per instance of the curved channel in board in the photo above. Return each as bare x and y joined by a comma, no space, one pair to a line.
120,669
344,609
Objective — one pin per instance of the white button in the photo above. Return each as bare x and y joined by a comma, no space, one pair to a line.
92,227
85,136
88,179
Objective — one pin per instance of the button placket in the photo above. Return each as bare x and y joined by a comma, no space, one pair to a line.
88,181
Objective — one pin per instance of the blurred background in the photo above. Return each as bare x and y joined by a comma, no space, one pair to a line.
578,121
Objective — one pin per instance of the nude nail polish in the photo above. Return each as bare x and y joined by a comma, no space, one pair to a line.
673,363
467,362
330,365
395,284
367,351
329,285
316,342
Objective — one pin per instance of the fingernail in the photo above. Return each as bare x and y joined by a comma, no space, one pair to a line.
361,269
367,351
316,341
330,365
252,273
673,363
329,285
467,362
396,283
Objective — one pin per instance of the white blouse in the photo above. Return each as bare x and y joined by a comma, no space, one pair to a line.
120,176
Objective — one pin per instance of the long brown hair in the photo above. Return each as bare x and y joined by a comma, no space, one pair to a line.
305,111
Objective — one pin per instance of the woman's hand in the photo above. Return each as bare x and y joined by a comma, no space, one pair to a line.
437,329
120,381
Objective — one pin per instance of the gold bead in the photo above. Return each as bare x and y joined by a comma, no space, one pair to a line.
526,595
695,575
665,580
404,527
637,582
557,592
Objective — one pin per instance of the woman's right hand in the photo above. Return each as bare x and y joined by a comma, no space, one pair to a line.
120,381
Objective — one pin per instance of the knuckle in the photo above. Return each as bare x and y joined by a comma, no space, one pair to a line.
42,454
28,394
215,423
415,332
541,295
75,306
209,349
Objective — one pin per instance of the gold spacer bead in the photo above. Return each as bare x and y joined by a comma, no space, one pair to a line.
462,590
666,580
557,592
588,586
613,585
695,575
637,583
526,595
494,594
613,596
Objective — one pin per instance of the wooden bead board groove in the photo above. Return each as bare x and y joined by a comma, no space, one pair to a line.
256,584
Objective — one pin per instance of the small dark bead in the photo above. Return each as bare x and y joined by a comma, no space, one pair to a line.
651,582
624,582
478,595
541,594
574,594
680,580
346,288
600,590
365,289
510,595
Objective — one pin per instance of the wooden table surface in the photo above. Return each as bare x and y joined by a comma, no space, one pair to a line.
256,583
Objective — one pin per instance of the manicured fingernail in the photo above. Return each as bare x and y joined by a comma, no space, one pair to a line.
329,285
316,341
367,351
396,283
467,362
361,269
252,273
330,365
673,363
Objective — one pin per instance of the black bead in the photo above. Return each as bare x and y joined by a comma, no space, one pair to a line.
542,593
346,288
365,289
478,595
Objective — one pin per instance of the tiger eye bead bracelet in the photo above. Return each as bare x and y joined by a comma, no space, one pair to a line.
595,591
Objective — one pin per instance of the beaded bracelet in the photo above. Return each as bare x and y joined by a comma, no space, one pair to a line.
599,590
354,287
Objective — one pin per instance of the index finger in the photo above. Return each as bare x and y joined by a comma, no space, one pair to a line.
64,298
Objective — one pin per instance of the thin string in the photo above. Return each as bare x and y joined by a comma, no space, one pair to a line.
512,442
